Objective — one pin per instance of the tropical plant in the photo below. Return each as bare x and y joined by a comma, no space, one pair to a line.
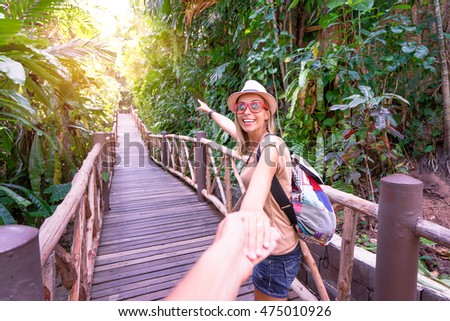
45,117
370,120
310,54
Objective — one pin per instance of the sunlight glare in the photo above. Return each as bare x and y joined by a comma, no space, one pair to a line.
112,16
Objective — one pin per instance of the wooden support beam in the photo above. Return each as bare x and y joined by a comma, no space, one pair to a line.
348,241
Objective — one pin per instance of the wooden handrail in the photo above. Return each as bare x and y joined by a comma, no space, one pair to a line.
433,232
53,227
85,204
351,201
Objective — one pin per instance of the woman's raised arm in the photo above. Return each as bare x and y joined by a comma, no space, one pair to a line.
224,122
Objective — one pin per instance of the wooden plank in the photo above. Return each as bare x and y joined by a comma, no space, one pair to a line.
152,250
160,226
146,267
140,280
165,237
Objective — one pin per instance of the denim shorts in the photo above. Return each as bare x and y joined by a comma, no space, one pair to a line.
275,274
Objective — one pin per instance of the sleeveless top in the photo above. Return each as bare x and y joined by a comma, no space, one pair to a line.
278,218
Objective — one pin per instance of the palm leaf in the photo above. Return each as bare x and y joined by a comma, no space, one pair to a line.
8,29
35,200
43,71
36,165
16,102
5,216
38,91
78,48
58,192
40,8
53,167
52,62
218,72
34,12
19,200
13,70
8,117
74,20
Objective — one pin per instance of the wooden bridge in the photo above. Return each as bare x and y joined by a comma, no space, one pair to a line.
135,224
154,231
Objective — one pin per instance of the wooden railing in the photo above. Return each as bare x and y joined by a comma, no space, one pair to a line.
221,184
79,219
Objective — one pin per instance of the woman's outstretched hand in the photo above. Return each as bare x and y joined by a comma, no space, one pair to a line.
203,107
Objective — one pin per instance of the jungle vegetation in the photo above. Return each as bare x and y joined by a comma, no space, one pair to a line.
362,85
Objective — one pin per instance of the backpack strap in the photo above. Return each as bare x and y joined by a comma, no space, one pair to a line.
280,196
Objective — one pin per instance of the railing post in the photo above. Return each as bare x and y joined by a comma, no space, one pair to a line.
20,264
165,149
116,129
104,164
200,165
149,146
347,254
397,245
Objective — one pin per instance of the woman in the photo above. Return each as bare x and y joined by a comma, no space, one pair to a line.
253,128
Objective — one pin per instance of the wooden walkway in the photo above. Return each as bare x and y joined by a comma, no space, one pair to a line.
154,231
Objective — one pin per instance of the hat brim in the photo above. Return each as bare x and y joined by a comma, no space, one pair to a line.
231,102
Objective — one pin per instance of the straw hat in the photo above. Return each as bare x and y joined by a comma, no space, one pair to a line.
253,87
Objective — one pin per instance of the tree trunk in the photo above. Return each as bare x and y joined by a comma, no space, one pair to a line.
275,28
301,24
444,77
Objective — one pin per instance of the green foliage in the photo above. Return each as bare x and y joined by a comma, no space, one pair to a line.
370,120
377,51
366,243
58,192
363,50
30,206
50,101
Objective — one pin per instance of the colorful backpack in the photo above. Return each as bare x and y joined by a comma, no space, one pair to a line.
309,210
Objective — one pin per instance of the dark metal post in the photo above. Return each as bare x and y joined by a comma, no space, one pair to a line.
397,245
165,149
105,162
20,264
200,165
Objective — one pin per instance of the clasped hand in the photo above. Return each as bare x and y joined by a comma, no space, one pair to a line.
250,233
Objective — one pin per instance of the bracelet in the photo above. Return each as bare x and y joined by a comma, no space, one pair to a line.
210,113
